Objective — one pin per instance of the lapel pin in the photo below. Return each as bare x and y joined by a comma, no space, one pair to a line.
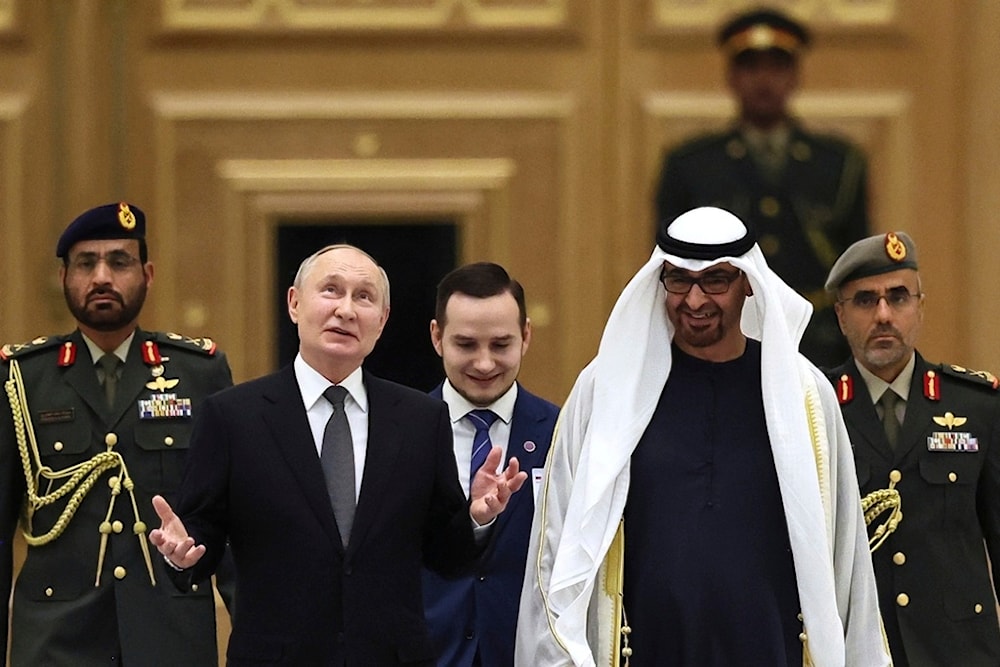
529,446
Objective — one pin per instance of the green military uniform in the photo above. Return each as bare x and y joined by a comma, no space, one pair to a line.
933,573
60,617
806,211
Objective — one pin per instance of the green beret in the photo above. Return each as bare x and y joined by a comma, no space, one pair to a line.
111,221
873,256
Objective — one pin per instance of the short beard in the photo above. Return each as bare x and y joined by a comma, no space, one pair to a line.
107,321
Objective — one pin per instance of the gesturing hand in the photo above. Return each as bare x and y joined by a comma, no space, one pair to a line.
171,538
490,491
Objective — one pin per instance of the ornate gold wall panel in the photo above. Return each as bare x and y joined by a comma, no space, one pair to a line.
246,163
706,15
193,16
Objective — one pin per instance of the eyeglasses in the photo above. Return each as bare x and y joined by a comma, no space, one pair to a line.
897,298
117,261
717,282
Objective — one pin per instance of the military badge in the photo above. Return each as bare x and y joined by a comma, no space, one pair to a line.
126,218
164,406
951,440
845,389
932,387
894,247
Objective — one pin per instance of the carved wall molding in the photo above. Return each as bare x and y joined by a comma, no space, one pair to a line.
322,16
247,162
704,16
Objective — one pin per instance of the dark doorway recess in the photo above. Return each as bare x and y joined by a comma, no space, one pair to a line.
414,255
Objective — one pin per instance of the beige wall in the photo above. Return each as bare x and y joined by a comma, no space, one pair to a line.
537,125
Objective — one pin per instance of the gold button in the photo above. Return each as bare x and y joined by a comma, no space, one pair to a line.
952,477
902,599
111,439
803,637
117,526
899,558
769,206
120,572
113,481
895,476
194,587
58,446
168,441
49,592
979,608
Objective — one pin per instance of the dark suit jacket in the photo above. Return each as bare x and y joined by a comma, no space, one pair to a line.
933,579
479,608
254,476
59,616
804,220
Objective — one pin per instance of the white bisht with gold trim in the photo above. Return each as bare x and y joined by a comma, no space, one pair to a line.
569,604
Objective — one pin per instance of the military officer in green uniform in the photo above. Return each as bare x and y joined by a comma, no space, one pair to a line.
806,193
93,424
931,431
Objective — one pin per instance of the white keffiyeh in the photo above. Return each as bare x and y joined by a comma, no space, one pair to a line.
563,620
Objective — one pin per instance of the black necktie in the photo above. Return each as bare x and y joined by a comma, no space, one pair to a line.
337,459
481,445
110,363
890,421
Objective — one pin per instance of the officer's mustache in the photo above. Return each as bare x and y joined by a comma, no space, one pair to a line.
104,293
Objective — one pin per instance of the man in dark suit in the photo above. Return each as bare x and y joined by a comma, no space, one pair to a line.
481,331
806,193
328,577
931,431
99,422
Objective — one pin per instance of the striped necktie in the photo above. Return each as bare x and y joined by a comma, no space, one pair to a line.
481,445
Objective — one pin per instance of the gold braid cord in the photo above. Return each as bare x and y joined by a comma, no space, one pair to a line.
76,481
880,501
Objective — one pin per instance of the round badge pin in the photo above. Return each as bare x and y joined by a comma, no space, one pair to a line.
529,446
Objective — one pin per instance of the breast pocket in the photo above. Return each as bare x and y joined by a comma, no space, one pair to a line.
952,477
168,440
63,443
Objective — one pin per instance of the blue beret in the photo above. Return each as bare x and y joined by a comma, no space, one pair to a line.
873,256
111,221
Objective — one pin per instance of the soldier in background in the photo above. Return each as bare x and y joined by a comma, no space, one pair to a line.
806,193
98,422
930,430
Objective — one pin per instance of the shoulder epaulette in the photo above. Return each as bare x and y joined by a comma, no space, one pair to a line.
12,350
203,345
983,378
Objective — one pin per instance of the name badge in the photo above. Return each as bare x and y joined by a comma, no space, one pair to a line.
537,481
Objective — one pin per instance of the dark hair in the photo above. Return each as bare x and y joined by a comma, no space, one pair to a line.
480,280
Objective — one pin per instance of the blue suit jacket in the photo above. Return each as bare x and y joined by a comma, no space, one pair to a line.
479,607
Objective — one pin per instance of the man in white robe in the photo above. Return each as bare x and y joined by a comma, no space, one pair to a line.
571,602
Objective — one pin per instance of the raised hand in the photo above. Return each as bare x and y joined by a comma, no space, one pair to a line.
171,538
490,491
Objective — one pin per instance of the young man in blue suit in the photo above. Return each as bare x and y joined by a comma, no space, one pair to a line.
481,331
333,487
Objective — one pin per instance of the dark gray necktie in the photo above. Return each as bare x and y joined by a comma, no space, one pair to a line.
337,459
890,421
110,364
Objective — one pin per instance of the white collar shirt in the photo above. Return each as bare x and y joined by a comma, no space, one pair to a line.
463,431
318,410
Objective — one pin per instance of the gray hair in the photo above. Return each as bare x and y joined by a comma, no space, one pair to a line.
309,262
